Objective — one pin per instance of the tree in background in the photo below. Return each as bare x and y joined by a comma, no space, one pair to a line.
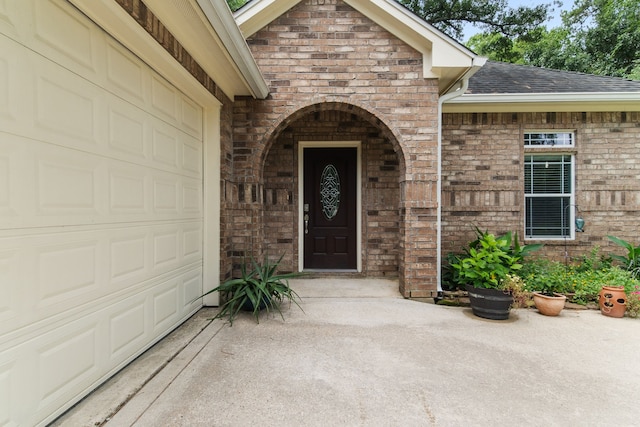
450,16
596,37
236,4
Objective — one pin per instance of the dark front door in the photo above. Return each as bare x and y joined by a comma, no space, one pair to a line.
329,208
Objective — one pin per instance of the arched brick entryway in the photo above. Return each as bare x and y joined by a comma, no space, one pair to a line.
382,167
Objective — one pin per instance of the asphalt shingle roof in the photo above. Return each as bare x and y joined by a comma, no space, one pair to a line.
503,78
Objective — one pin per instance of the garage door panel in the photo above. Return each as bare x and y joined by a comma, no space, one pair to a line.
125,74
9,267
165,147
128,190
88,53
58,107
6,374
126,134
69,358
128,329
66,360
47,275
66,107
65,271
5,186
69,183
48,186
129,257
5,84
7,21
101,183
191,117
74,43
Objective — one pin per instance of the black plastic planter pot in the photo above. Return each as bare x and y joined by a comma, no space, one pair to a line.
490,303
248,305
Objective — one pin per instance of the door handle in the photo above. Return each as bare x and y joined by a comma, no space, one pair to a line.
306,223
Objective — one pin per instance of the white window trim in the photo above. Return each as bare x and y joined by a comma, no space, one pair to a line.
566,150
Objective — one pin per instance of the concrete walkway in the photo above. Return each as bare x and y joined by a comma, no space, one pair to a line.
360,355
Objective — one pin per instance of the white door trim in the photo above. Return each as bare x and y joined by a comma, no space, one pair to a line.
330,144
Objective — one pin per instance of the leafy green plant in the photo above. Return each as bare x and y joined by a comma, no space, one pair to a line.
258,288
632,261
546,277
490,259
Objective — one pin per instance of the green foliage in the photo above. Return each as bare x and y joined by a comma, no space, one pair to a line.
582,280
545,277
632,260
633,303
450,16
236,4
259,287
490,259
596,37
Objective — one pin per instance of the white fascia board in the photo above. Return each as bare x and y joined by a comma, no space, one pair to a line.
257,14
220,17
536,102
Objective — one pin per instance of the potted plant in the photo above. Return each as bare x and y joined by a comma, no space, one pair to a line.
548,282
258,288
489,272
549,304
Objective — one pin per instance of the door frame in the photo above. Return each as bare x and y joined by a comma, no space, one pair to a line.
330,144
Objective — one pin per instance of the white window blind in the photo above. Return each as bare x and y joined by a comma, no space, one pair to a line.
548,193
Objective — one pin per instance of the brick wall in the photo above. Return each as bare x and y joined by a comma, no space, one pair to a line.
324,53
483,176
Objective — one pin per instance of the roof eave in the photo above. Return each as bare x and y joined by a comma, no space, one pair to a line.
220,16
541,102
207,30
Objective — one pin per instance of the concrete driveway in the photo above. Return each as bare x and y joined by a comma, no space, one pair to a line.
360,355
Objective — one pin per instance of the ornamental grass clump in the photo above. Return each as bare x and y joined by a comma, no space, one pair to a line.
259,288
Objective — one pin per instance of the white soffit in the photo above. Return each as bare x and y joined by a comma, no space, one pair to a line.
541,102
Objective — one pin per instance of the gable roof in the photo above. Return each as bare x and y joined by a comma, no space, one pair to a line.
443,57
504,87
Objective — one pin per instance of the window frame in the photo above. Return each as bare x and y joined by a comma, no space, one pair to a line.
553,150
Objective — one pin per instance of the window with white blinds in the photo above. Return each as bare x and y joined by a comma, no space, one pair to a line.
549,182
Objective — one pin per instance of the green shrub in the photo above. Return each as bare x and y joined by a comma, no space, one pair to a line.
490,259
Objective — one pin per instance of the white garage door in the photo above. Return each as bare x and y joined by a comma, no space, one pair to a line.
100,207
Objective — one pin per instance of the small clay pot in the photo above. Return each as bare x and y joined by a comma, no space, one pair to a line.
549,305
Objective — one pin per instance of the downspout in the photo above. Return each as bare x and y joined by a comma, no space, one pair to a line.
462,86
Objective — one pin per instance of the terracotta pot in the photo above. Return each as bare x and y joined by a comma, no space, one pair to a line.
612,301
549,305
490,303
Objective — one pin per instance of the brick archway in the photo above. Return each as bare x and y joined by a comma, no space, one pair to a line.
382,170
375,118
